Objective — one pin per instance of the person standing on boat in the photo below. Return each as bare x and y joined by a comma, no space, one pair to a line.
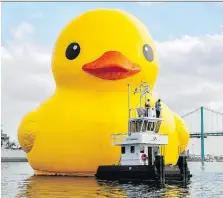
158,108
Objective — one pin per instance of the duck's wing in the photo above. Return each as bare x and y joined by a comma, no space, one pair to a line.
183,132
27,131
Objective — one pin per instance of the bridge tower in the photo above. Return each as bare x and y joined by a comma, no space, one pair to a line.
207,118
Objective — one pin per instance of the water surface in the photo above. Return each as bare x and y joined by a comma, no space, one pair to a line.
18,181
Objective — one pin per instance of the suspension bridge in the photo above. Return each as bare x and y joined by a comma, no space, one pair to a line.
204,122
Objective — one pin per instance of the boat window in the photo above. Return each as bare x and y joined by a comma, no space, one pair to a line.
142,149
123,150
157,127
151,126
132,149
154,126
133,126
138,125
144,124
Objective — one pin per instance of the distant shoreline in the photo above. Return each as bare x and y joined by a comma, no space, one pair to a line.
13,155
13,159
4,159
199,160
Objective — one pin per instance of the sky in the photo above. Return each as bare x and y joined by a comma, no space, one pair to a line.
188,38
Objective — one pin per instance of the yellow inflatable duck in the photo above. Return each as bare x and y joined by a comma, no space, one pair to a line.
95,57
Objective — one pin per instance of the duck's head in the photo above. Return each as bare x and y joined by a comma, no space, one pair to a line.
104,50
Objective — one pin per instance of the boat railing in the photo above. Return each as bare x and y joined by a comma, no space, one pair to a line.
118,138
142,112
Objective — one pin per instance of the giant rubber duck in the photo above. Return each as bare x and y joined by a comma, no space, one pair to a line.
95,57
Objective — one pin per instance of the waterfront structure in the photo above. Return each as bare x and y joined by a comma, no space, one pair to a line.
203,130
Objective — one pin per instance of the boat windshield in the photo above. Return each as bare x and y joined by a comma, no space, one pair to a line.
141,125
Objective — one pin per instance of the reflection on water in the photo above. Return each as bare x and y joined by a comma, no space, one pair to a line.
41,186
56,186
18,181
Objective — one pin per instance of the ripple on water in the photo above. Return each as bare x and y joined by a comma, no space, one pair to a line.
18,181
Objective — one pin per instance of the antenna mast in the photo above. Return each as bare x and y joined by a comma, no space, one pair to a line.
142,90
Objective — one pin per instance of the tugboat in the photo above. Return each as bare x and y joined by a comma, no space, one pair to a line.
143,149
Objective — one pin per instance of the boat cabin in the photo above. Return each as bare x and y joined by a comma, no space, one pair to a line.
142,143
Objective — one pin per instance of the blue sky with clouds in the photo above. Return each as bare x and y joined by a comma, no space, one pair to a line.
164,20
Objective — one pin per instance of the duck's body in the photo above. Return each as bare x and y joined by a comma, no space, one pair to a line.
73,131
70,132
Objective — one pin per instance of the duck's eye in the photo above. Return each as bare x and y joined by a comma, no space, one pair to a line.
148,52
72,51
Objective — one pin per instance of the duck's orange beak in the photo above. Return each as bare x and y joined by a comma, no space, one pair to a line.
112,65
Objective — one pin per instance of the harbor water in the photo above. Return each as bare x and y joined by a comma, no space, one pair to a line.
18,181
